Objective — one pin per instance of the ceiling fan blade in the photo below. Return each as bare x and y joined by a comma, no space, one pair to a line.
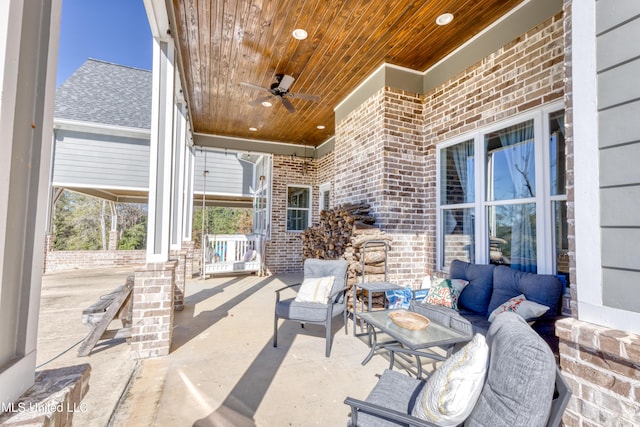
260,100
288,105
251,85
305,96
286,82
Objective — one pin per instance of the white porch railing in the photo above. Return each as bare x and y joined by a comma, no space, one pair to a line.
228,253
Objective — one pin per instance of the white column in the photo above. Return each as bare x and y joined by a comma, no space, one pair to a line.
160,166
189,160
29,33
177,209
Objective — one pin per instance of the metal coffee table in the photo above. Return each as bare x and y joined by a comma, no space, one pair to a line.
406,341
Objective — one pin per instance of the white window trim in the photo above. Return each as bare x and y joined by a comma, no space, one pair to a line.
321,190
542,198
308,209
586,183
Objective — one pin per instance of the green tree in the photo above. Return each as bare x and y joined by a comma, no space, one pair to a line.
81,223
221,220
77,222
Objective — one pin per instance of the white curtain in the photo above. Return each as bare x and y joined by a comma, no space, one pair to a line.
519,154
463,160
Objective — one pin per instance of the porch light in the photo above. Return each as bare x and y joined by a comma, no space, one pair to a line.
320,127
299,34
252,129
444,19
266,104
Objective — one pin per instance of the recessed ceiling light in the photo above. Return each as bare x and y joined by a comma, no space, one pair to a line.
444,19
320,127
266,104
252,129
299,34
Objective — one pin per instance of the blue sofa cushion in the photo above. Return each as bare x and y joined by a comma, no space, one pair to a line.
544,289
476,295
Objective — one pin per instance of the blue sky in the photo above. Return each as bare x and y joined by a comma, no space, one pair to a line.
110,30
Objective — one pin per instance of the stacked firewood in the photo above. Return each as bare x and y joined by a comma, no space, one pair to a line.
332,235
343,233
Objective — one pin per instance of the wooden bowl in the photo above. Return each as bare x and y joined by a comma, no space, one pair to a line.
409,320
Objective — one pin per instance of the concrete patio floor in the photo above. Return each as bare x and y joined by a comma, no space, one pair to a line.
222,369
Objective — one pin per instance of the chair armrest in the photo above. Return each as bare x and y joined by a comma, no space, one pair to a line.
277,291
336,293
287,287
377,410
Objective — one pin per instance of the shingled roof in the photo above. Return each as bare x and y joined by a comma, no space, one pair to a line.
106,93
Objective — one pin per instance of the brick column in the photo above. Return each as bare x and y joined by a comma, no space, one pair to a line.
113,240
180,257
189,247
380,159
153,299
601,367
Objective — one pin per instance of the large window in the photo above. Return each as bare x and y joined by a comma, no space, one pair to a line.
501,195
298,208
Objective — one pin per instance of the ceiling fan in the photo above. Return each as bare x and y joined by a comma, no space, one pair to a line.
280,89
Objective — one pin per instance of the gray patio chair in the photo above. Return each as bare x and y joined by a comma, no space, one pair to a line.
519,388
317,313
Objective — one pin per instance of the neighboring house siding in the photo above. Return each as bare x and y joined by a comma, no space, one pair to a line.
227,175
100,161
618,67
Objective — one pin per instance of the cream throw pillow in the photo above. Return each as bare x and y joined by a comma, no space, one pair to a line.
315,289
452,390
529,310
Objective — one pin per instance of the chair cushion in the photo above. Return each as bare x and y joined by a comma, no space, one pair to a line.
452,390
394,390
321,268
315,289
521,306
545,289
476,295
521,377
303,311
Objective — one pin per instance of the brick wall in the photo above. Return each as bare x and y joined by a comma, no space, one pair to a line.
523,74
284,250
602,367
71,260
385,150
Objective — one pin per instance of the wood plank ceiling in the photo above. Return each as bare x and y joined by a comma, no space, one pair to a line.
224,43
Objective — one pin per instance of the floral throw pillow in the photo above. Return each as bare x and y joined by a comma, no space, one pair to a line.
445,292
520,305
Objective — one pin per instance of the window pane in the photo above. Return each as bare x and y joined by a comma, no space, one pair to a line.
511,163
297,208
458,227
512,236
297,219
561,239
457,174
298,197
325,200
557,153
